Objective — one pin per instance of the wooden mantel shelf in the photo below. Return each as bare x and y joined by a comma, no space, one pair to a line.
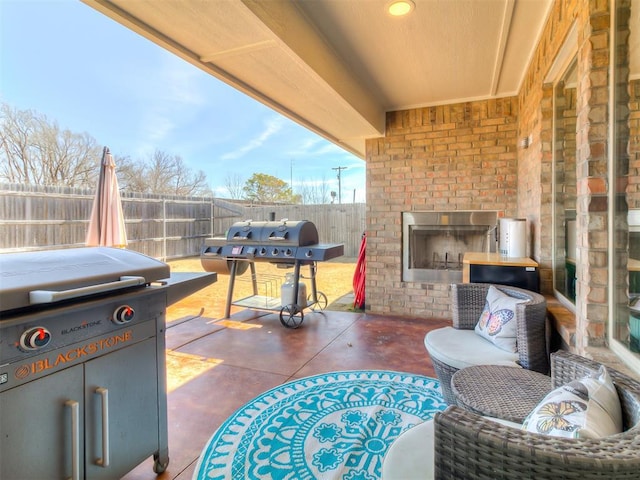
485,258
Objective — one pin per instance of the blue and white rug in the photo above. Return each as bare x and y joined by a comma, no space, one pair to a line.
337,425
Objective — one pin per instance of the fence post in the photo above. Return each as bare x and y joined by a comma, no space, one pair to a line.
164,229
211,215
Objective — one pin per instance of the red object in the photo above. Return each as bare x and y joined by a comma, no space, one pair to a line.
360,275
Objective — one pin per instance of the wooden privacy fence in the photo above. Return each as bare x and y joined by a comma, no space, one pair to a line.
161,226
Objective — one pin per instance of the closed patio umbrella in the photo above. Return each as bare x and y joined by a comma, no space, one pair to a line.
106,225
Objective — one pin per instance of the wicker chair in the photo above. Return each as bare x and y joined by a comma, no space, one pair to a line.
467,446
468,301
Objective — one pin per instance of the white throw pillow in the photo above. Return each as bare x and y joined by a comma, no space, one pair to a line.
586,408
497,322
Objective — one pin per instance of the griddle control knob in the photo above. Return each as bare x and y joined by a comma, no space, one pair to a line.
123,314
35,338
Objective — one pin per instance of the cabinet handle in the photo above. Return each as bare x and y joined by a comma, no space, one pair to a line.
75,438
104,393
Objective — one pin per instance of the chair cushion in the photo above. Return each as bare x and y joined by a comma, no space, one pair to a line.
586,408
464,348
411,456
497,322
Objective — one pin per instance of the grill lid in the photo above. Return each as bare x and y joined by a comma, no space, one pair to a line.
285,233
31,278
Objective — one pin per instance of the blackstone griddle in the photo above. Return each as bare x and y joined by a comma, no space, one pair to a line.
82,361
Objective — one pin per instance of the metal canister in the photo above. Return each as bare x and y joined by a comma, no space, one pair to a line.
287,292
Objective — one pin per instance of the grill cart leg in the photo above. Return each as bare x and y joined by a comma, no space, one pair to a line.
159,466
316,300
314,291
254,281
232,281
296,279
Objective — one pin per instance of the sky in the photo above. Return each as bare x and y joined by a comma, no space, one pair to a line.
87,73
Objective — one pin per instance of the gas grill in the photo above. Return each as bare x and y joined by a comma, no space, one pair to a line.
82,361
289,244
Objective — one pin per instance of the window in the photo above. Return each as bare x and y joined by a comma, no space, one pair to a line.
624,172
564,182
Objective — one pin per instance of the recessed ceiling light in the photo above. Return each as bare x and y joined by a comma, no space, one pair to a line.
399,8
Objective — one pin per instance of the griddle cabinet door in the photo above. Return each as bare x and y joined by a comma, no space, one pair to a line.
37,431
127,381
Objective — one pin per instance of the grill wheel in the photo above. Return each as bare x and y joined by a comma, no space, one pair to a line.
291,316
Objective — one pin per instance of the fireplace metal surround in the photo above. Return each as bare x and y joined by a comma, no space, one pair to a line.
434,243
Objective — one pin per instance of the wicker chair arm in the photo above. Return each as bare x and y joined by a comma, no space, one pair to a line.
468,446
566,367
468,300
532,336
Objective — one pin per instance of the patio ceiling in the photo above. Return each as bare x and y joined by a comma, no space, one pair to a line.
336,66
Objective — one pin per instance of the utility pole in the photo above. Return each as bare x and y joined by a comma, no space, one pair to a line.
339,169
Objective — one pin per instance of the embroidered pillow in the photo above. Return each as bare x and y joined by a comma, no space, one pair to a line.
586,408
497,322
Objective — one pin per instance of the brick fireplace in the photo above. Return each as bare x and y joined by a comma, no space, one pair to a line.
447,158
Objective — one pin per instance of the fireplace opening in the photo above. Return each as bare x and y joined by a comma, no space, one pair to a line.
434,243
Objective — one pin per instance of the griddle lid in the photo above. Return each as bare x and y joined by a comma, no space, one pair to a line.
30,278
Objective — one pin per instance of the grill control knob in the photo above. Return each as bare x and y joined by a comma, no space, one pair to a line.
274,252
35,338
309,253
263,251
123,314
288,252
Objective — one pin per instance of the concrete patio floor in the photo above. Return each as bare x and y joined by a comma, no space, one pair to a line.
215,365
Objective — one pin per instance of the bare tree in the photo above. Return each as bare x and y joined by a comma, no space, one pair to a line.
131,175
234,184
187,182
34,150
161,174
315,192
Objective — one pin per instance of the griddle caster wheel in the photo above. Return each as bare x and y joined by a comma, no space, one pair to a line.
291,316
158,466
321,302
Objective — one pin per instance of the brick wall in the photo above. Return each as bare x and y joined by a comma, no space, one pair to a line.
464,157
633,149
453,157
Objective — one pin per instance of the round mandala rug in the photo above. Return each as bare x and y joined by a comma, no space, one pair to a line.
337,425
